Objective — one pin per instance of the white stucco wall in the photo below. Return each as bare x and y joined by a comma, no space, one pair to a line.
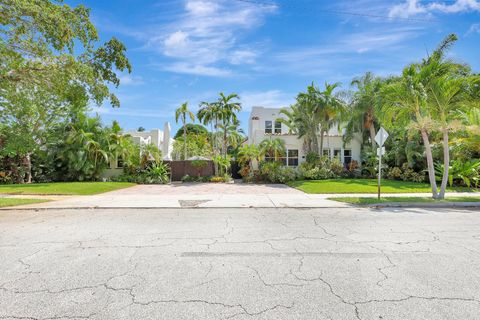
332,141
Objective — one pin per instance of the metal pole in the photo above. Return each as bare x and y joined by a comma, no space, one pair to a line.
379,170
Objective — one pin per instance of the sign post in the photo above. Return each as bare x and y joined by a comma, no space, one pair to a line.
380,138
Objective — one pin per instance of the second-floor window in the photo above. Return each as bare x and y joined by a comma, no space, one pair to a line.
268,127
278,127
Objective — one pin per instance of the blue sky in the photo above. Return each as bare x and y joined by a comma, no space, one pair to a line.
267,50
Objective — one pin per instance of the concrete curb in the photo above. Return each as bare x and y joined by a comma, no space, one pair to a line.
422,205
160,208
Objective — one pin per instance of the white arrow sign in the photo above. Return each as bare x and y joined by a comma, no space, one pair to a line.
380,151
381,136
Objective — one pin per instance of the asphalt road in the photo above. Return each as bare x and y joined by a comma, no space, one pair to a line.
240,264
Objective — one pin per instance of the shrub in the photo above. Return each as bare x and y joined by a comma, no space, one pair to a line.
275,172
224,178
312,157
394,173
336,166
408,174
157,173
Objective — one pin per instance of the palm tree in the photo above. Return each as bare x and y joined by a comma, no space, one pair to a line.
275,147
330,110
363,106
227,109
248,153
416,100
181,113
448,95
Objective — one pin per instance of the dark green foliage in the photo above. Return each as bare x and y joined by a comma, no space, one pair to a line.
192,128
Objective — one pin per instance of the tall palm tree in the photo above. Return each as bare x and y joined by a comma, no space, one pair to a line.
448,95
363,106
181,113
227,109
422,99
330,110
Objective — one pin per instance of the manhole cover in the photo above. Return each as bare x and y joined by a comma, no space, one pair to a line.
191,203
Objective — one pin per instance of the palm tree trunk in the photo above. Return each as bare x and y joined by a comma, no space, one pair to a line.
431,170
321,143
184,139
225,140
372,135
446,164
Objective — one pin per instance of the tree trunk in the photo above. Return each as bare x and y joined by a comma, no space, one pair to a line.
28,165
225,140
446,164
372,135
184,140
314,144
431,169
321,143
215,165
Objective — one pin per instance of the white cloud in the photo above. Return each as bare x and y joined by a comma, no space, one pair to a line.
243,57
269,99
474,28
129,80
415,7
346,49
195,69
207,34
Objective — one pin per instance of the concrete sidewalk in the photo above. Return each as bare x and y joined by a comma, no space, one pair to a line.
208,195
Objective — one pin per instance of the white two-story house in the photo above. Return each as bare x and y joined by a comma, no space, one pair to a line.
263,124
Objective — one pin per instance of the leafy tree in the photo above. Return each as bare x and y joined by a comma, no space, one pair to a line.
192,128
181,113
51,66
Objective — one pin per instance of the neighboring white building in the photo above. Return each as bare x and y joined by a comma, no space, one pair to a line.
162,139
263,125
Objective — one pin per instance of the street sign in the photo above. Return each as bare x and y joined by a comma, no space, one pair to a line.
381,136
380,151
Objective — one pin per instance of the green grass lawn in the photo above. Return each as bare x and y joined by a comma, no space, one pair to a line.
357,200
64,188
363,186
10,202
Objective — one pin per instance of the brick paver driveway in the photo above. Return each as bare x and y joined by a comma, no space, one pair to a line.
208,188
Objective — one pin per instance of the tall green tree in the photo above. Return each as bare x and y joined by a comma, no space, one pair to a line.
425,99
362,116
330,109
227,112
53,64
181,114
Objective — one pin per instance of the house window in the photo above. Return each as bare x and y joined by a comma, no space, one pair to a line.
278,127
326,153
119,162
269,158
268,127
292,157
347,157
337,153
